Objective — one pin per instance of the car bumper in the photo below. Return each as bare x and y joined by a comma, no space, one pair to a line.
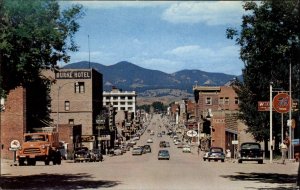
163,158
250,159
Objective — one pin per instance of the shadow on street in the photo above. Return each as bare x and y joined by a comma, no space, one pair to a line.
54,181
282,179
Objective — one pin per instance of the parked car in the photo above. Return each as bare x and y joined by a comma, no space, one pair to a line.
176,142
96,156
216,153
205,156
81,155
117,152
250,151
131,143
167,144
162,144
137,150
147,148
186,148
163,155
180,145
150,140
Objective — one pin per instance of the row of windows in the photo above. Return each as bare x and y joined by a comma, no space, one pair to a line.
222,101
118,97
121,103
67,106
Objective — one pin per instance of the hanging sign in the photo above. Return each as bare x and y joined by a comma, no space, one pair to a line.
281,103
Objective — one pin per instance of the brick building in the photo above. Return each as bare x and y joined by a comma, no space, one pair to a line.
13,120
77,100
216,111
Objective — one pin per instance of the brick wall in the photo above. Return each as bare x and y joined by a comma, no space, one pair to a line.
13,120
68,133
218,131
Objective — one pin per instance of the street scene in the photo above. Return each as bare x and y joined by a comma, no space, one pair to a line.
149,95
127,171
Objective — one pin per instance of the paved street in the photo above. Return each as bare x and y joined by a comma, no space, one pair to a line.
182,171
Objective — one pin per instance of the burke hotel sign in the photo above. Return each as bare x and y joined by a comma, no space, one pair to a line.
73,74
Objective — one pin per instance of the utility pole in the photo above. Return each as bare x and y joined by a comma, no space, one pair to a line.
271,123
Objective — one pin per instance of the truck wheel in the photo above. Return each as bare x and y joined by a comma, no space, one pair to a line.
31,162
47,161
58,160
21,162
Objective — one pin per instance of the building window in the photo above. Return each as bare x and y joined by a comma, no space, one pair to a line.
208,101
226,100
71,121
129,103
122,108
67,105
80,88
236,100
122,103
129,97
107,103
115,103
122,97
115,97
221,100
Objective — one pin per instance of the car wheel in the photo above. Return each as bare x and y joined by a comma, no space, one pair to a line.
203,159
240,161
260,162
222,160
209,160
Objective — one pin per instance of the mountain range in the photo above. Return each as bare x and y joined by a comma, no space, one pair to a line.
130,77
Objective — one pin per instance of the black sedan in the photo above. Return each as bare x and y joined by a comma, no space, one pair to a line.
216,153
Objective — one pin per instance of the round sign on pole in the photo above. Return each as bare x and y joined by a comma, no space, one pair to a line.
15,144
191,133
281,103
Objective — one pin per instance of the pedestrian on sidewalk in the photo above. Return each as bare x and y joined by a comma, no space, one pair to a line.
283,148
228,155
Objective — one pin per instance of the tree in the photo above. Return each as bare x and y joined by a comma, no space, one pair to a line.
159,106
34,34
269,41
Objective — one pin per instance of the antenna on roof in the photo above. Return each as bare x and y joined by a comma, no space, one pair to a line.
89,51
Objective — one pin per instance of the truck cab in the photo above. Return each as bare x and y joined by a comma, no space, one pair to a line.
39,147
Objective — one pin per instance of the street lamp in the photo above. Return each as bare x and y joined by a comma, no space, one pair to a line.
58,93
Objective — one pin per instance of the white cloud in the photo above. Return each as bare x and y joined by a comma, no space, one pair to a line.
197,52
209,13
220,59
190,51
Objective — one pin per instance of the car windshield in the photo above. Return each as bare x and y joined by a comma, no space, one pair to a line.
250,146
216,150
163,152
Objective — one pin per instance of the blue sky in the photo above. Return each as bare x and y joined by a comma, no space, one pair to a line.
161,35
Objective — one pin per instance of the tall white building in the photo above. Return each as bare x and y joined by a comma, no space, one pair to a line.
121,100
